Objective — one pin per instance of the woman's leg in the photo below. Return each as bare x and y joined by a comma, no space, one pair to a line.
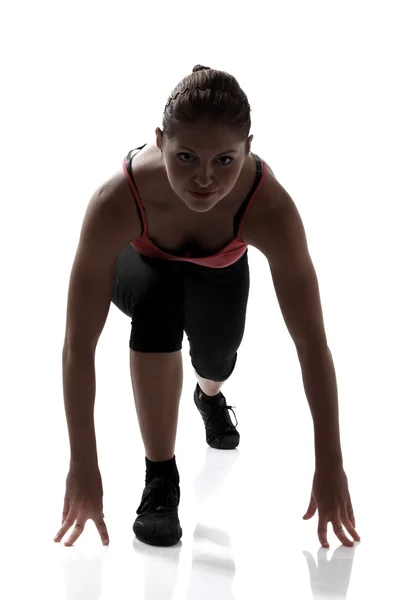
151,292
216,304
215,317
157,380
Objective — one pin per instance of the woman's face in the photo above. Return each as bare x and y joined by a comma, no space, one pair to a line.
203,158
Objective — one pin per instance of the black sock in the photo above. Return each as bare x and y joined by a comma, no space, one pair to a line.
165,467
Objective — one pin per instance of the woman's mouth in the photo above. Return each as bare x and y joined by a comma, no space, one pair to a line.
201,195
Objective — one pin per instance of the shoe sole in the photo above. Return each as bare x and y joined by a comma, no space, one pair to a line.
161,542
223,446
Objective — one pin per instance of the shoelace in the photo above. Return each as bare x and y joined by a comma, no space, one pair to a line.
160,495
218,417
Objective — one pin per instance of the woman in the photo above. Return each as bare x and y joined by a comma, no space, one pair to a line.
165,239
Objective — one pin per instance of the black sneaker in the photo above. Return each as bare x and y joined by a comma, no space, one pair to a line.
221,433
157,523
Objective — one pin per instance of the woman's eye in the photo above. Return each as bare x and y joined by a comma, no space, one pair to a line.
183,154
220,158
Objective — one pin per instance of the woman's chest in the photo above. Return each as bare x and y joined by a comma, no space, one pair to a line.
179,233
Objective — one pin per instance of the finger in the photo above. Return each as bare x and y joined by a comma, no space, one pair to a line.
349,526
350,512
323,532
339,531
78,529
66,510
311,510
349,522
68,522
102,529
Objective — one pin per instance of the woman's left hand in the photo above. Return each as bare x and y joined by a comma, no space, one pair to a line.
330,494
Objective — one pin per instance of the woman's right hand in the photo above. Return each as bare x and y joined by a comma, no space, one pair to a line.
83,500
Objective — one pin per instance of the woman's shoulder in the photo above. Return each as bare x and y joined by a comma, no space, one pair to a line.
147,168
117,196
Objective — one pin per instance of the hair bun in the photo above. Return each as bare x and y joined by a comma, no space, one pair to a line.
200,68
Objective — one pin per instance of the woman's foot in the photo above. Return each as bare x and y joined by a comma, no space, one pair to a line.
158,523
221,433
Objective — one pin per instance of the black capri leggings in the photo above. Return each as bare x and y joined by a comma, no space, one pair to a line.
165,298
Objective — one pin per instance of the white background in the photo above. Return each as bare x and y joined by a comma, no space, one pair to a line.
82,84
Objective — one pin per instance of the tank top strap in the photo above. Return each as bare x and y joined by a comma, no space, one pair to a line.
128,169
237,224
129,155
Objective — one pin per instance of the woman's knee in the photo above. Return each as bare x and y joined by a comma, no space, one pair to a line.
214,368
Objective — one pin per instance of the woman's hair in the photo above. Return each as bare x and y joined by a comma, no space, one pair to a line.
210,95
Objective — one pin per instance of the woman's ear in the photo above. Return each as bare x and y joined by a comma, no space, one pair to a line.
159,138
249,143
